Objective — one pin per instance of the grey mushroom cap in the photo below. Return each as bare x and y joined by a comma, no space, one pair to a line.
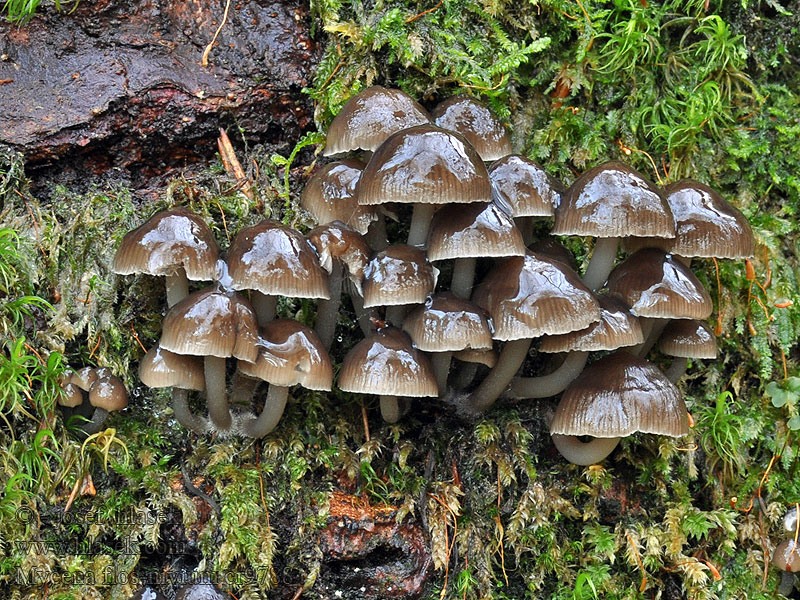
330,195
688,338
525,186
161,368
398,275
446,323
476,123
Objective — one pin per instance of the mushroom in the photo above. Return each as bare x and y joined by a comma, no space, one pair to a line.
174,243
611,201
330,195
786,558
685,339
200,591
289,353
474,120
107,394
616,396
425,166
388,365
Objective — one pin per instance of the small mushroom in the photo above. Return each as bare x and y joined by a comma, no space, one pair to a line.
786,558
685,339
107,394
474,120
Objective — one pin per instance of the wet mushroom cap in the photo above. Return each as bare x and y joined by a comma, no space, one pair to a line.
330,195
533,295
161,368
619,395
786,556
688,338
387,364
613,200
169,240
337,241
446,323
84,378
211,323
525,187
275,260
371,116
398,275
657,285
426,165
108,392
473,231
476,123
616,328
290,353
483,357
72,395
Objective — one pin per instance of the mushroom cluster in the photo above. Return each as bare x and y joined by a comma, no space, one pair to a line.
473,212
92,394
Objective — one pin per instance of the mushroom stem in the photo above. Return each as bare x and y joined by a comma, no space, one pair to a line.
677,369
584,453
328,310
441,368
395,314
651,329
508,363
270,415
464,375
552,384
601,263
420,223
95,424
376,234
787,583
525,226
463,277
216,395
363,315
390,409
180,406
177,286
265,306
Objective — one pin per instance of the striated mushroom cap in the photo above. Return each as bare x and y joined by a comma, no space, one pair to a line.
167,241
371,116
446,323
387,364
275,260
398,275
476,123
337,241
161,368
688,338
290,353
525,187
424,164
330,195
619,395
108,392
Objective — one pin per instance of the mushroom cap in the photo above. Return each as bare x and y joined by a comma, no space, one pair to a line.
533,295
108,392
275,260
473,231
161,368
556,250
337,241
167,241
688,338
616,328
211,323
525,186
483,357
705,224
387,364
657,285
424,164
476,123
786,556
371,116
84,378
619,395
446,323
330,195
200,591
613,200
290,353
400,274
72,396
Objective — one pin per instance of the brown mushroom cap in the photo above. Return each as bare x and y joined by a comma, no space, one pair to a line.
109,393
786,556
72,396
657,285
473,231
483,357
386,364
161,368
533,295
371,116
275,260
169,240
616,328
84,378
688,338
398,275
330,195
337,241
211,323
613,200
617,396
555,250
705,224
446,323
525,187
290,353
426,165
476,123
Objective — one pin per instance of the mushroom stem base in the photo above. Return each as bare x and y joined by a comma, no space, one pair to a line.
584,453
553,383
271,414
